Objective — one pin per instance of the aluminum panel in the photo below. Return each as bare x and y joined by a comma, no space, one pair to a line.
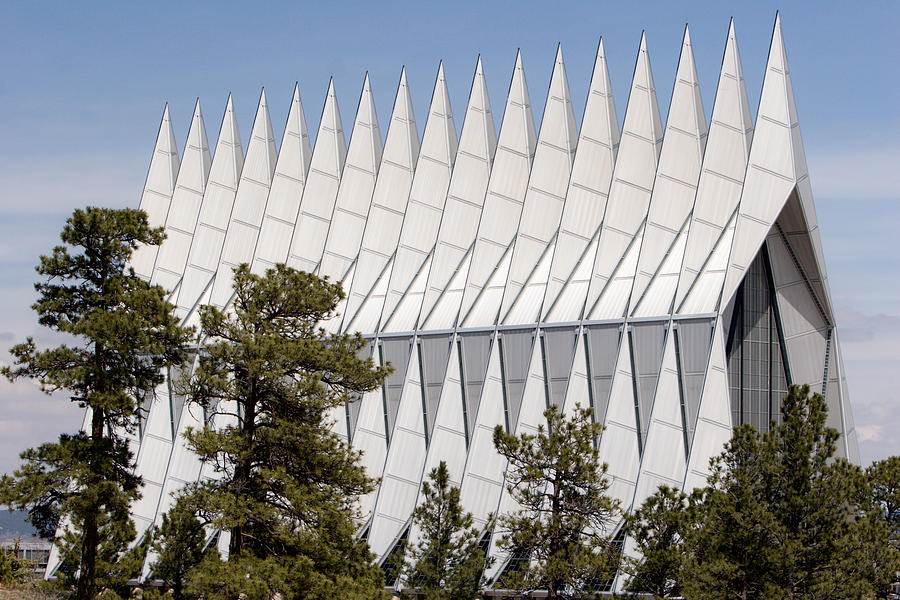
504,200
215,210
354,196
675,187
389,201
157,194
181,221
465,199
545,195
249,204
283,204
321,188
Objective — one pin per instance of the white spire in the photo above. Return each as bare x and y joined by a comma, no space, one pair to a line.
504,199
426,198
389,201
544,200
585,205
158,189
215,210
184,209
320,190
629,197
721,180
772,176
283,203
673,192
249,204
465,199
355,192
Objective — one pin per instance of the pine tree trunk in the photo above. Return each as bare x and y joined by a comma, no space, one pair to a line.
90,535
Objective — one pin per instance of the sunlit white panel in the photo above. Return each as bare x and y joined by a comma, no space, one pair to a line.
619,441
157,195
545,196
215,211
714,421
806,332
465,199
368,314
443,313
586,197
404,315
724,166
659,294
249,204
503,201
448,439
527,308
421,221
484,312
777,165
370,438
613,300
354,195
181,221
321,188
665,456
675,187
283,203
483,476
389,202
629,195
705,293
403,465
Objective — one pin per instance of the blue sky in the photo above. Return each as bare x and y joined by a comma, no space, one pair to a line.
82,87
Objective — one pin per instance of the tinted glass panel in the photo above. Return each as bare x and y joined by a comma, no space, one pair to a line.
756,373
394,351
602,350
515,354
474,352
558,347
434,352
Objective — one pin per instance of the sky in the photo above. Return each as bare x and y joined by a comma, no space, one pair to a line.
83,86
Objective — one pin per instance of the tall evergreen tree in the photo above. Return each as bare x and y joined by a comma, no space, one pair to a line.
447,563
783,518
178,545
286,485
884,479
658,529
561,534
122,336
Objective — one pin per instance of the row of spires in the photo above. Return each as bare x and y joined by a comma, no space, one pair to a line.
335,198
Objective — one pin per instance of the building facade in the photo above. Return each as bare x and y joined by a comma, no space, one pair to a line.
671,276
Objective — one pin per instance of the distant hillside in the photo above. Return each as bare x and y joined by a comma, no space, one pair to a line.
13,525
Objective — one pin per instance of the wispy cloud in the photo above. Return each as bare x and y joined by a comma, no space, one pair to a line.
856,174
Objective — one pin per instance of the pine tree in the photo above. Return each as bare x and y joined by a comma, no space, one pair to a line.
883,506
178,544
285,485
884,479
782,517
657,529
122,336
561,535
447,563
